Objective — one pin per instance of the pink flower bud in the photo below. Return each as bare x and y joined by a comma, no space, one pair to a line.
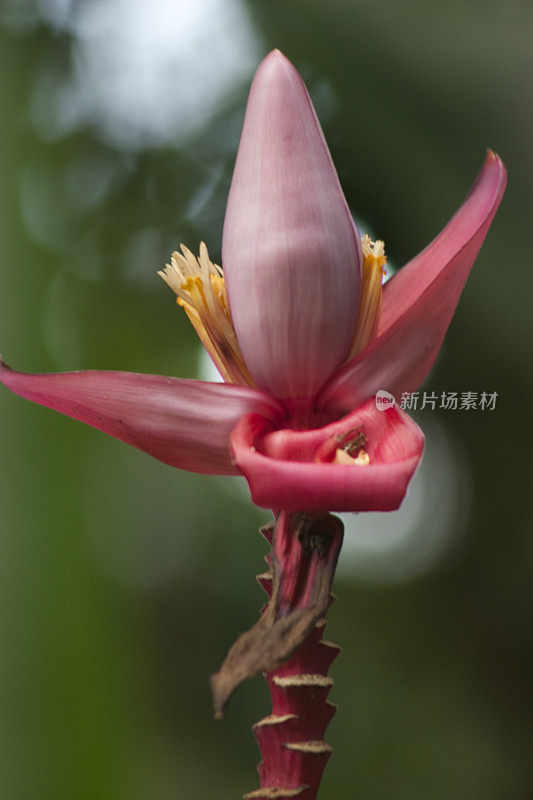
291,253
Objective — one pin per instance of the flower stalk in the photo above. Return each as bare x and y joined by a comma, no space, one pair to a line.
305,549
291,739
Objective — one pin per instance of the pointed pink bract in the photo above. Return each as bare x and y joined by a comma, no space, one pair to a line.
184,423
419,302
291,255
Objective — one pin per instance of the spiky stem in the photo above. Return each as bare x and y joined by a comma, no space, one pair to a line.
294,754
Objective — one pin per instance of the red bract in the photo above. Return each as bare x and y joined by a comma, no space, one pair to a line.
304,337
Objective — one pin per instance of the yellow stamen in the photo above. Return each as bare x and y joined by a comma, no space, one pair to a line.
374,261
201,292
342,457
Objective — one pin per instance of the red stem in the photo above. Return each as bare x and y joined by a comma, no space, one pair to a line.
294,753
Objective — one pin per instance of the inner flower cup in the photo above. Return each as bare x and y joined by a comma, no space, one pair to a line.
305,471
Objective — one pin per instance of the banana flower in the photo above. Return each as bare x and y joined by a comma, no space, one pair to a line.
299,325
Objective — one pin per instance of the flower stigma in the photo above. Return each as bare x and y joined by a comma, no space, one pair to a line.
374,261
351,451
345,448
201,291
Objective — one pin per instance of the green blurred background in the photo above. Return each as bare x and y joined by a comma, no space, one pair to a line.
124,581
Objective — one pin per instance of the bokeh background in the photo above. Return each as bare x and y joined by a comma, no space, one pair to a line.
123,581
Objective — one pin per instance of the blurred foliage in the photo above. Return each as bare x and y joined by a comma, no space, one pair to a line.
124,581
